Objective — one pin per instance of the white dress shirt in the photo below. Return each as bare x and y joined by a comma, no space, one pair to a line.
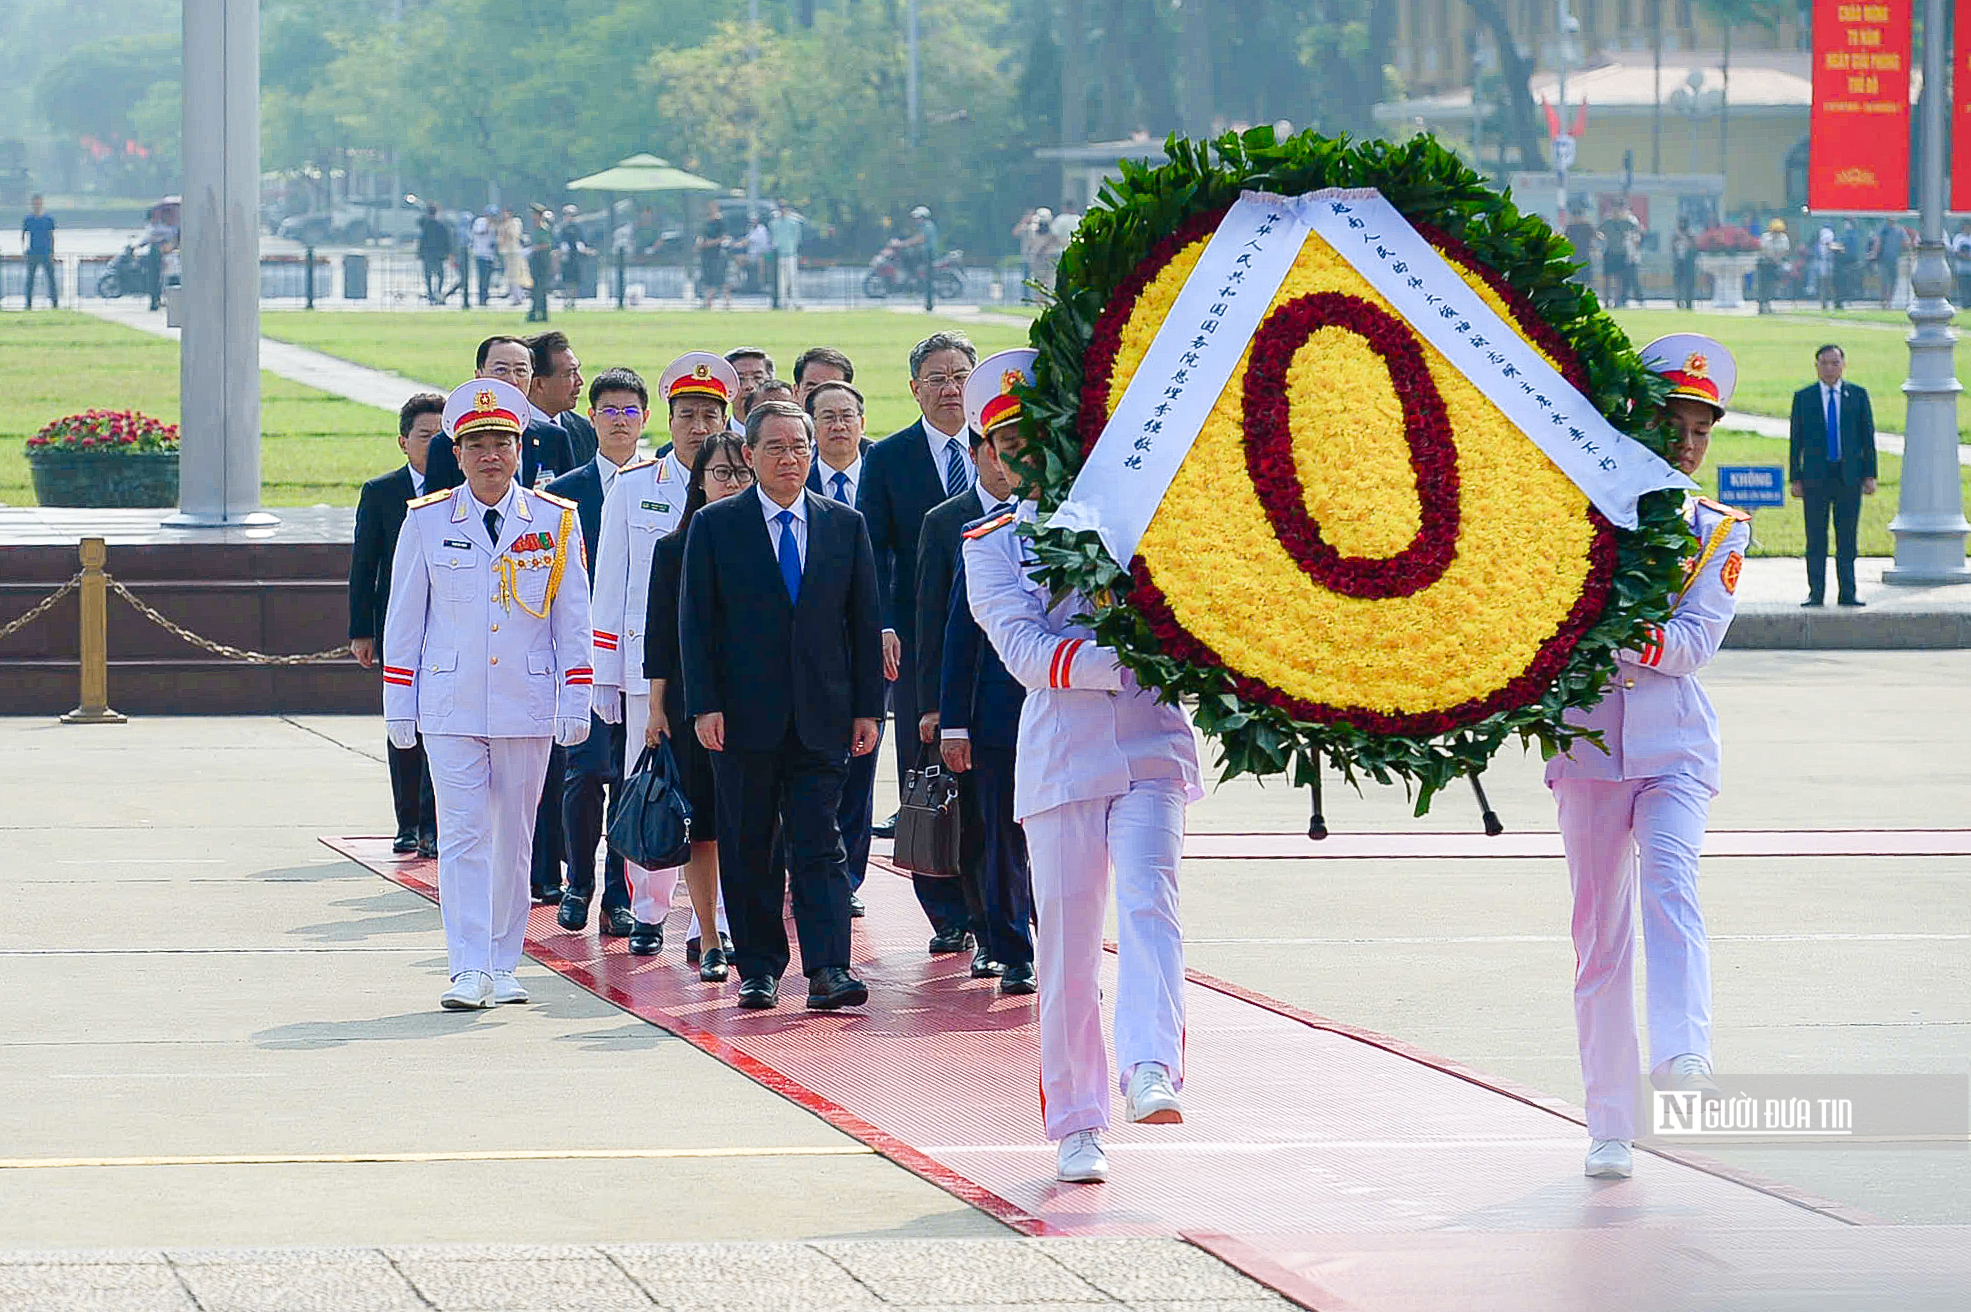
799,528
853,474
608,469
940,443
417,480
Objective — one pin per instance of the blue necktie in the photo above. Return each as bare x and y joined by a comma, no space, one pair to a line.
956,477
790,556
1833,431
841,482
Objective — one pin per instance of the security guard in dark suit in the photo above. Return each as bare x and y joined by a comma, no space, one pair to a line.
379,517
1831,463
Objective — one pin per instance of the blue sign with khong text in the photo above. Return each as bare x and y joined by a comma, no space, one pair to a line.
1752,487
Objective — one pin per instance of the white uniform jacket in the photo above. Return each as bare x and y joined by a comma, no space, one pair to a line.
1654,717
1087,729
644,503
463,652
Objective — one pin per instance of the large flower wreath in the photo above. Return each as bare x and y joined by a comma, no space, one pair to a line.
1361,560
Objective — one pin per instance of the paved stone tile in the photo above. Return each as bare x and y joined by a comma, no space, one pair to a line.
71,1287
743,1278
590,1284
488,1252
1269,1302
982,1272
1132,1270
365,1283
295,1256
82,1257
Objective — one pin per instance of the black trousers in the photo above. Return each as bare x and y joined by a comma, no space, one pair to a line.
410,791
805,786
1843,500
547,826
858,812
594,768
537,309
434,281
485,277
46,264
1007,886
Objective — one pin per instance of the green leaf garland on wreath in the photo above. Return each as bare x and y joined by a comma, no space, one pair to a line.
1527,261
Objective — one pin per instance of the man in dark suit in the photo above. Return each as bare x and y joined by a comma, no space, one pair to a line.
836,474
780,644
618,399
903,476
955,907
1831,463
556,390
379,515
544,447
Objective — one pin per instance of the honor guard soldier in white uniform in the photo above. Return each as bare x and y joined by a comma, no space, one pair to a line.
1632,817
645,503
1102,776
486,650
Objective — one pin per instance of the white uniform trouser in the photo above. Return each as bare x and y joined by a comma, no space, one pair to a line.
1614,831
486,790
651,891
1071,848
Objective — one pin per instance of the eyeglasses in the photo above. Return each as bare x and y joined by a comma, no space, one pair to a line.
938,382
621,412
837,416
729,475
782,450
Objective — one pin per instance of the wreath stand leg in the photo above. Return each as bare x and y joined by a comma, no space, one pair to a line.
1317,824
1493,826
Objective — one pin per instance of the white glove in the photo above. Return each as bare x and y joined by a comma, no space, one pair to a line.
608,701
570,731
403,734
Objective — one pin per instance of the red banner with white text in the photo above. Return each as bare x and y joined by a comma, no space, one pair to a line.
1859,143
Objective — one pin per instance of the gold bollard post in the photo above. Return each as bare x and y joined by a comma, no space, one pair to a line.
93,605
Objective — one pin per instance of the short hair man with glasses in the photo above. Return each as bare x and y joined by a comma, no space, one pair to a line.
545,452
645,501
839,448
903,476
780,646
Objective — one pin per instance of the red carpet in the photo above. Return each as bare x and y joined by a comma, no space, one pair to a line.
1300,1130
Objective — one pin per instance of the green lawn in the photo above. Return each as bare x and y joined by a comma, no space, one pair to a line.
1775,355
316,447
1782,530
437,348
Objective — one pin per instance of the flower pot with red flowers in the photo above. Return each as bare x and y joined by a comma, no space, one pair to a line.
114,458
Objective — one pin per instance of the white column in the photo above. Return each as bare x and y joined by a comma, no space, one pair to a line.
1929,525
219,353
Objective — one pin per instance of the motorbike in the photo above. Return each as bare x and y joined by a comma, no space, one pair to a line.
125,273
887,274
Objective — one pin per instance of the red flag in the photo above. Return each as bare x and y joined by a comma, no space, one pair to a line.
1581,120
1553,118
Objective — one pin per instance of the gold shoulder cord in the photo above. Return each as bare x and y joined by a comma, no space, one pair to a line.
1718,536
509,575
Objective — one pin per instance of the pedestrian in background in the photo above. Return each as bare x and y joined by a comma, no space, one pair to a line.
1831,464
1775,250
434,246
485,249
1683,265
540,264
712,244
513,256
785,231
38,250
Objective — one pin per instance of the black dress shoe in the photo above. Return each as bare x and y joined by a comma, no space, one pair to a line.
1018,978
404,843
574,913
856,910
888,829
983,966
547,897
1851,601
427,845
759,993
617,922
951,940
712,968
1811,601
832,987
646,939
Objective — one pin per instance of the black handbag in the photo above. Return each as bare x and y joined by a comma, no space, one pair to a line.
927,841
652,824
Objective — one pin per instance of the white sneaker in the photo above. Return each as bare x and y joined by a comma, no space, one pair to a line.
507,989
1081,1159
1610,1159
1152,1100
1692,1072
472,990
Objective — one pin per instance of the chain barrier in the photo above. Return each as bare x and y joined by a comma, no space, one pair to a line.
40,608
206,644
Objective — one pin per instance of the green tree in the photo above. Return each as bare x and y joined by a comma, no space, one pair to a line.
91,91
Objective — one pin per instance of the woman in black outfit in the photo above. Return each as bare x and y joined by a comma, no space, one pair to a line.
719,471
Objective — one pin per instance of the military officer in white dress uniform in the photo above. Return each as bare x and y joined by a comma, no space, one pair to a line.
486,651
1632,817
645,503
1103,774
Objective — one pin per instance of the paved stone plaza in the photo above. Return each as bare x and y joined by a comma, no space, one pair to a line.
196,978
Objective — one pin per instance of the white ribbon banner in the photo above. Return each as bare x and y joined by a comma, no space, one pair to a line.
1188,364
1612,468
1228,293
